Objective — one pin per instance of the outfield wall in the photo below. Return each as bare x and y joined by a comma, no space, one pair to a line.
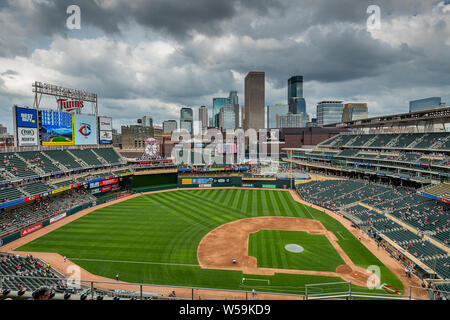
233,181
154,180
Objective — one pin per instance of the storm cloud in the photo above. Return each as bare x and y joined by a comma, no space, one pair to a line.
153,57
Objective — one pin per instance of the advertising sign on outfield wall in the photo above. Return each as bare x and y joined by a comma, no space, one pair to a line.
30,229
58,217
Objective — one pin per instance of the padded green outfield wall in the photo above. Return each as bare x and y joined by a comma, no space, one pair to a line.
154,180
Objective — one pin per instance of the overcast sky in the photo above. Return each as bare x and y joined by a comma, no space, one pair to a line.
151,57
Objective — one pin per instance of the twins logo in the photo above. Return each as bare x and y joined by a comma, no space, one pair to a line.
85,129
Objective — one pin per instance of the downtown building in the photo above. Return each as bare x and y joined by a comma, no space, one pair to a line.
296,101
329,112
187,119
273,112
227,119
355,111
426,104
169,126
254,92
203,117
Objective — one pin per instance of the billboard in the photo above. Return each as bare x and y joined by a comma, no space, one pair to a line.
105,123
85,129
106,137
26,117
56,128
27,137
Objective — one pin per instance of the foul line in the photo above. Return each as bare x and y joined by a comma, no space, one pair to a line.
137,262
307,209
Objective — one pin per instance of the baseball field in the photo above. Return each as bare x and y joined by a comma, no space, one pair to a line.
172,238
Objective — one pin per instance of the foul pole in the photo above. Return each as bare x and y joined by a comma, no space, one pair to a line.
291,168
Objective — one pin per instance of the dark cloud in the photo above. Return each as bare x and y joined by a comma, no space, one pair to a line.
326,41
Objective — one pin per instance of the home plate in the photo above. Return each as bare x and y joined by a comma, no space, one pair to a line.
294,248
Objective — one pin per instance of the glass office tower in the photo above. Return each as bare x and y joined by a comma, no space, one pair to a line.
329,112
217,104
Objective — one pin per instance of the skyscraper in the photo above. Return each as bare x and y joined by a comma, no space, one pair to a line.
254,91
296,101
295,87
203,116
235,104
329,112
186,119
217,104
227,117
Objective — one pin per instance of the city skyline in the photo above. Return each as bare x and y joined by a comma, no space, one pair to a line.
339,57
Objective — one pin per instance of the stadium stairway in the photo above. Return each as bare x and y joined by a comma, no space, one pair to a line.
99,158
33,167
54,162
79,160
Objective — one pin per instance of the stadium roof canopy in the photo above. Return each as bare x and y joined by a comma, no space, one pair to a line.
425,117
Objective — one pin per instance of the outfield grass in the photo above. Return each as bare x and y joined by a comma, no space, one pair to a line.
268,247
153,238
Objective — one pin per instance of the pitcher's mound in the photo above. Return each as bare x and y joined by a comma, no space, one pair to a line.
295,248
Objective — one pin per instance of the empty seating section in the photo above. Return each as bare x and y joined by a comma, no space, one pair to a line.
109,154
87,156
15,166
12,265
382,140
390,194
362,193
329,142
402,236
10,194
406,139
410,157
443,236
364,214
429,140
361,140
424,249
348,153
440,265
438,140
64,158
36,188
41,161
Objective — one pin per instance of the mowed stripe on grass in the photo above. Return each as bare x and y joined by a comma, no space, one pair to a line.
164,230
